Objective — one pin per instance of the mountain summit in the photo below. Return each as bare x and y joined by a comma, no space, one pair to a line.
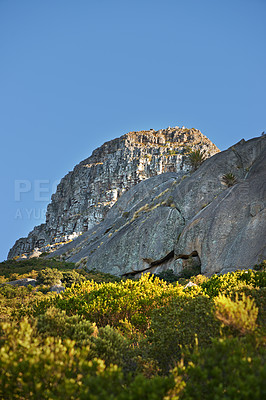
86,194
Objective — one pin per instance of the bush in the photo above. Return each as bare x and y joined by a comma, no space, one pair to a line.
49,276
114,303
229,179
196,158
229,369
35,369
259,297
261,266
71,277
240,315
168,276
146,327
56,323
105,343
184,322
114,348
188,272
26,267
233,281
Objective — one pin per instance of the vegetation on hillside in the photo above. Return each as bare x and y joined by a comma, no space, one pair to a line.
196,158
106,338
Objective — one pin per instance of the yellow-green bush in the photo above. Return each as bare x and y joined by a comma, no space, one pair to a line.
113,340
240,315
32,368
229,368
182,323
113,303
233,281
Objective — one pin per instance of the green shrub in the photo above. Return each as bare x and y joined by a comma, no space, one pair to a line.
24,267
240,315
261,266
188,272
184,322
233,281
146,327
112,303
228,369
56,323
168,276
196,158
229,179
11,292
35,369
259,297
105,343
71,277
111,346
49,276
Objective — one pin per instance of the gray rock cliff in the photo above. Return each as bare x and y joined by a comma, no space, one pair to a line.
86,194
178,219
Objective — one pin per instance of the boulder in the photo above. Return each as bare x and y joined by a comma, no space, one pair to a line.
23,282
57,288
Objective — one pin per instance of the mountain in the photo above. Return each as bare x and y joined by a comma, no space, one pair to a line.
86,194
212,219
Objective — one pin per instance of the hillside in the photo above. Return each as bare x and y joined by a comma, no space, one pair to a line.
106,338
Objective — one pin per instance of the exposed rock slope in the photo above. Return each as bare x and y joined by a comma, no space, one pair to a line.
85,195
173,220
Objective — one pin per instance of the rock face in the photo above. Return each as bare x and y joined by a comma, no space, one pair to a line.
86,194
177,220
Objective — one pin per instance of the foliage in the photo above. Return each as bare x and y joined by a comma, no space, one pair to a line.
184,322
53,369
233,281
229,179
240,315
49,276
114,303
259,297
33,264
231,368
114,348
55,322
168,276
71,277
196,158
261,266
190,271
107,338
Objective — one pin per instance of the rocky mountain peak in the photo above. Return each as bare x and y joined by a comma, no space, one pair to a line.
85,195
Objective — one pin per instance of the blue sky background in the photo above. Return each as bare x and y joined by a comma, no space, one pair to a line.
74,74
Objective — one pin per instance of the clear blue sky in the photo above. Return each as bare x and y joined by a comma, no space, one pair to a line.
74,74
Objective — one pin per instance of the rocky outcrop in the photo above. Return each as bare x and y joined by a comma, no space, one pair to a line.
230,232
86,194
22,282
176,220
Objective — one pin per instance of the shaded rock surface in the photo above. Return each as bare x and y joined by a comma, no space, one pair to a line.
57,288
22,282
176,220
86,194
